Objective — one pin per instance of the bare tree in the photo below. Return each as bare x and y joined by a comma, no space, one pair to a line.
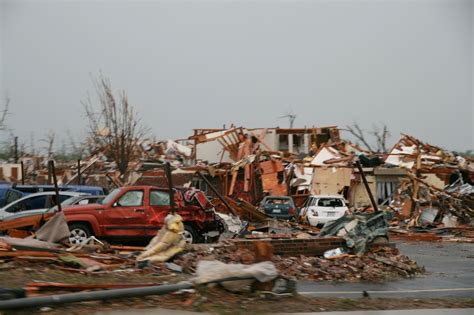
32,144
113,123
359,134
78,149
49,140
3,114
381,136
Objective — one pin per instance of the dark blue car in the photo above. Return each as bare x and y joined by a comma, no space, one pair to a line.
281,207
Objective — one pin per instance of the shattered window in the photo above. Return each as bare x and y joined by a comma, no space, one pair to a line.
330,202
51,200
159,198
278,201
298,143
131,198
283,142
28,204
111,196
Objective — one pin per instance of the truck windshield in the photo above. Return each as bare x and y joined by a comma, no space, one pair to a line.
111,196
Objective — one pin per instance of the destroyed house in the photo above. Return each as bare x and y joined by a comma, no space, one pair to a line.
222,145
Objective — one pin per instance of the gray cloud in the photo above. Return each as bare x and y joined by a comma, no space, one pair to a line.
192,64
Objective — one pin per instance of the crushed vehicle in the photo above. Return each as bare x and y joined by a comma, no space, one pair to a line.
32,204
281,207
321,209
138,212
360,229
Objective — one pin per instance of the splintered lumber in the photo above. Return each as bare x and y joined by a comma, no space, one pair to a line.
209,184
91,162
232,183
394,263
246,210
31,253
127,248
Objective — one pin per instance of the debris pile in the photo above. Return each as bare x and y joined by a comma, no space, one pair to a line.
415,190
376,265
386,263
419,182
437,190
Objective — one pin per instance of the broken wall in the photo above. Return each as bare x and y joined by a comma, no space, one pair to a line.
358,196
330,180
273,180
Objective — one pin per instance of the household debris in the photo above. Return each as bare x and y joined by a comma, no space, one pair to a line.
376,265
360,230
415,192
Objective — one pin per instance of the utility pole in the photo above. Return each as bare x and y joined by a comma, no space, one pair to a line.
367,187
15,149
79,178
22,173
55,181
169,176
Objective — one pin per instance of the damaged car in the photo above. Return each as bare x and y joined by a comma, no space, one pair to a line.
37,203
320,209
139,212
281,207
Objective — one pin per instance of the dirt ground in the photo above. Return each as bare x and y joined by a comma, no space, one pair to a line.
212,299
217,301
17,275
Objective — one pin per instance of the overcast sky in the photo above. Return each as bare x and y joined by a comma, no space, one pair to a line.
202,64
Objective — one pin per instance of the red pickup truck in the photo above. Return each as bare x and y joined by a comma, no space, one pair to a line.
138,212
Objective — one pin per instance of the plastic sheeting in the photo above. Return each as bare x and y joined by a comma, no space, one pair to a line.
55,230
213,270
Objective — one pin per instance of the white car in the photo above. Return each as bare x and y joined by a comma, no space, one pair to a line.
36,203
320,209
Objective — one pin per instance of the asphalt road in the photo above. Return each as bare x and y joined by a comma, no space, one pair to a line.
449,273
459,311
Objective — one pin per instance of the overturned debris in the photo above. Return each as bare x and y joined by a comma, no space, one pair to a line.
360,230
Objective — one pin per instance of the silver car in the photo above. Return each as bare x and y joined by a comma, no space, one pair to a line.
36,203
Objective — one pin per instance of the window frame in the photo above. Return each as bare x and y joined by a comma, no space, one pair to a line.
27,202
159,191
130,191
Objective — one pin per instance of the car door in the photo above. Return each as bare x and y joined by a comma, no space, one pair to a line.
28,206
312,205
158,210
304,209
126,217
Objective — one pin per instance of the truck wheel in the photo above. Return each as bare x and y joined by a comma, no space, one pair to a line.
79,233
190,234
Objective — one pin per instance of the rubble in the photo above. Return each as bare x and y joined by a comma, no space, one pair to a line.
414,192
377,265
359,230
